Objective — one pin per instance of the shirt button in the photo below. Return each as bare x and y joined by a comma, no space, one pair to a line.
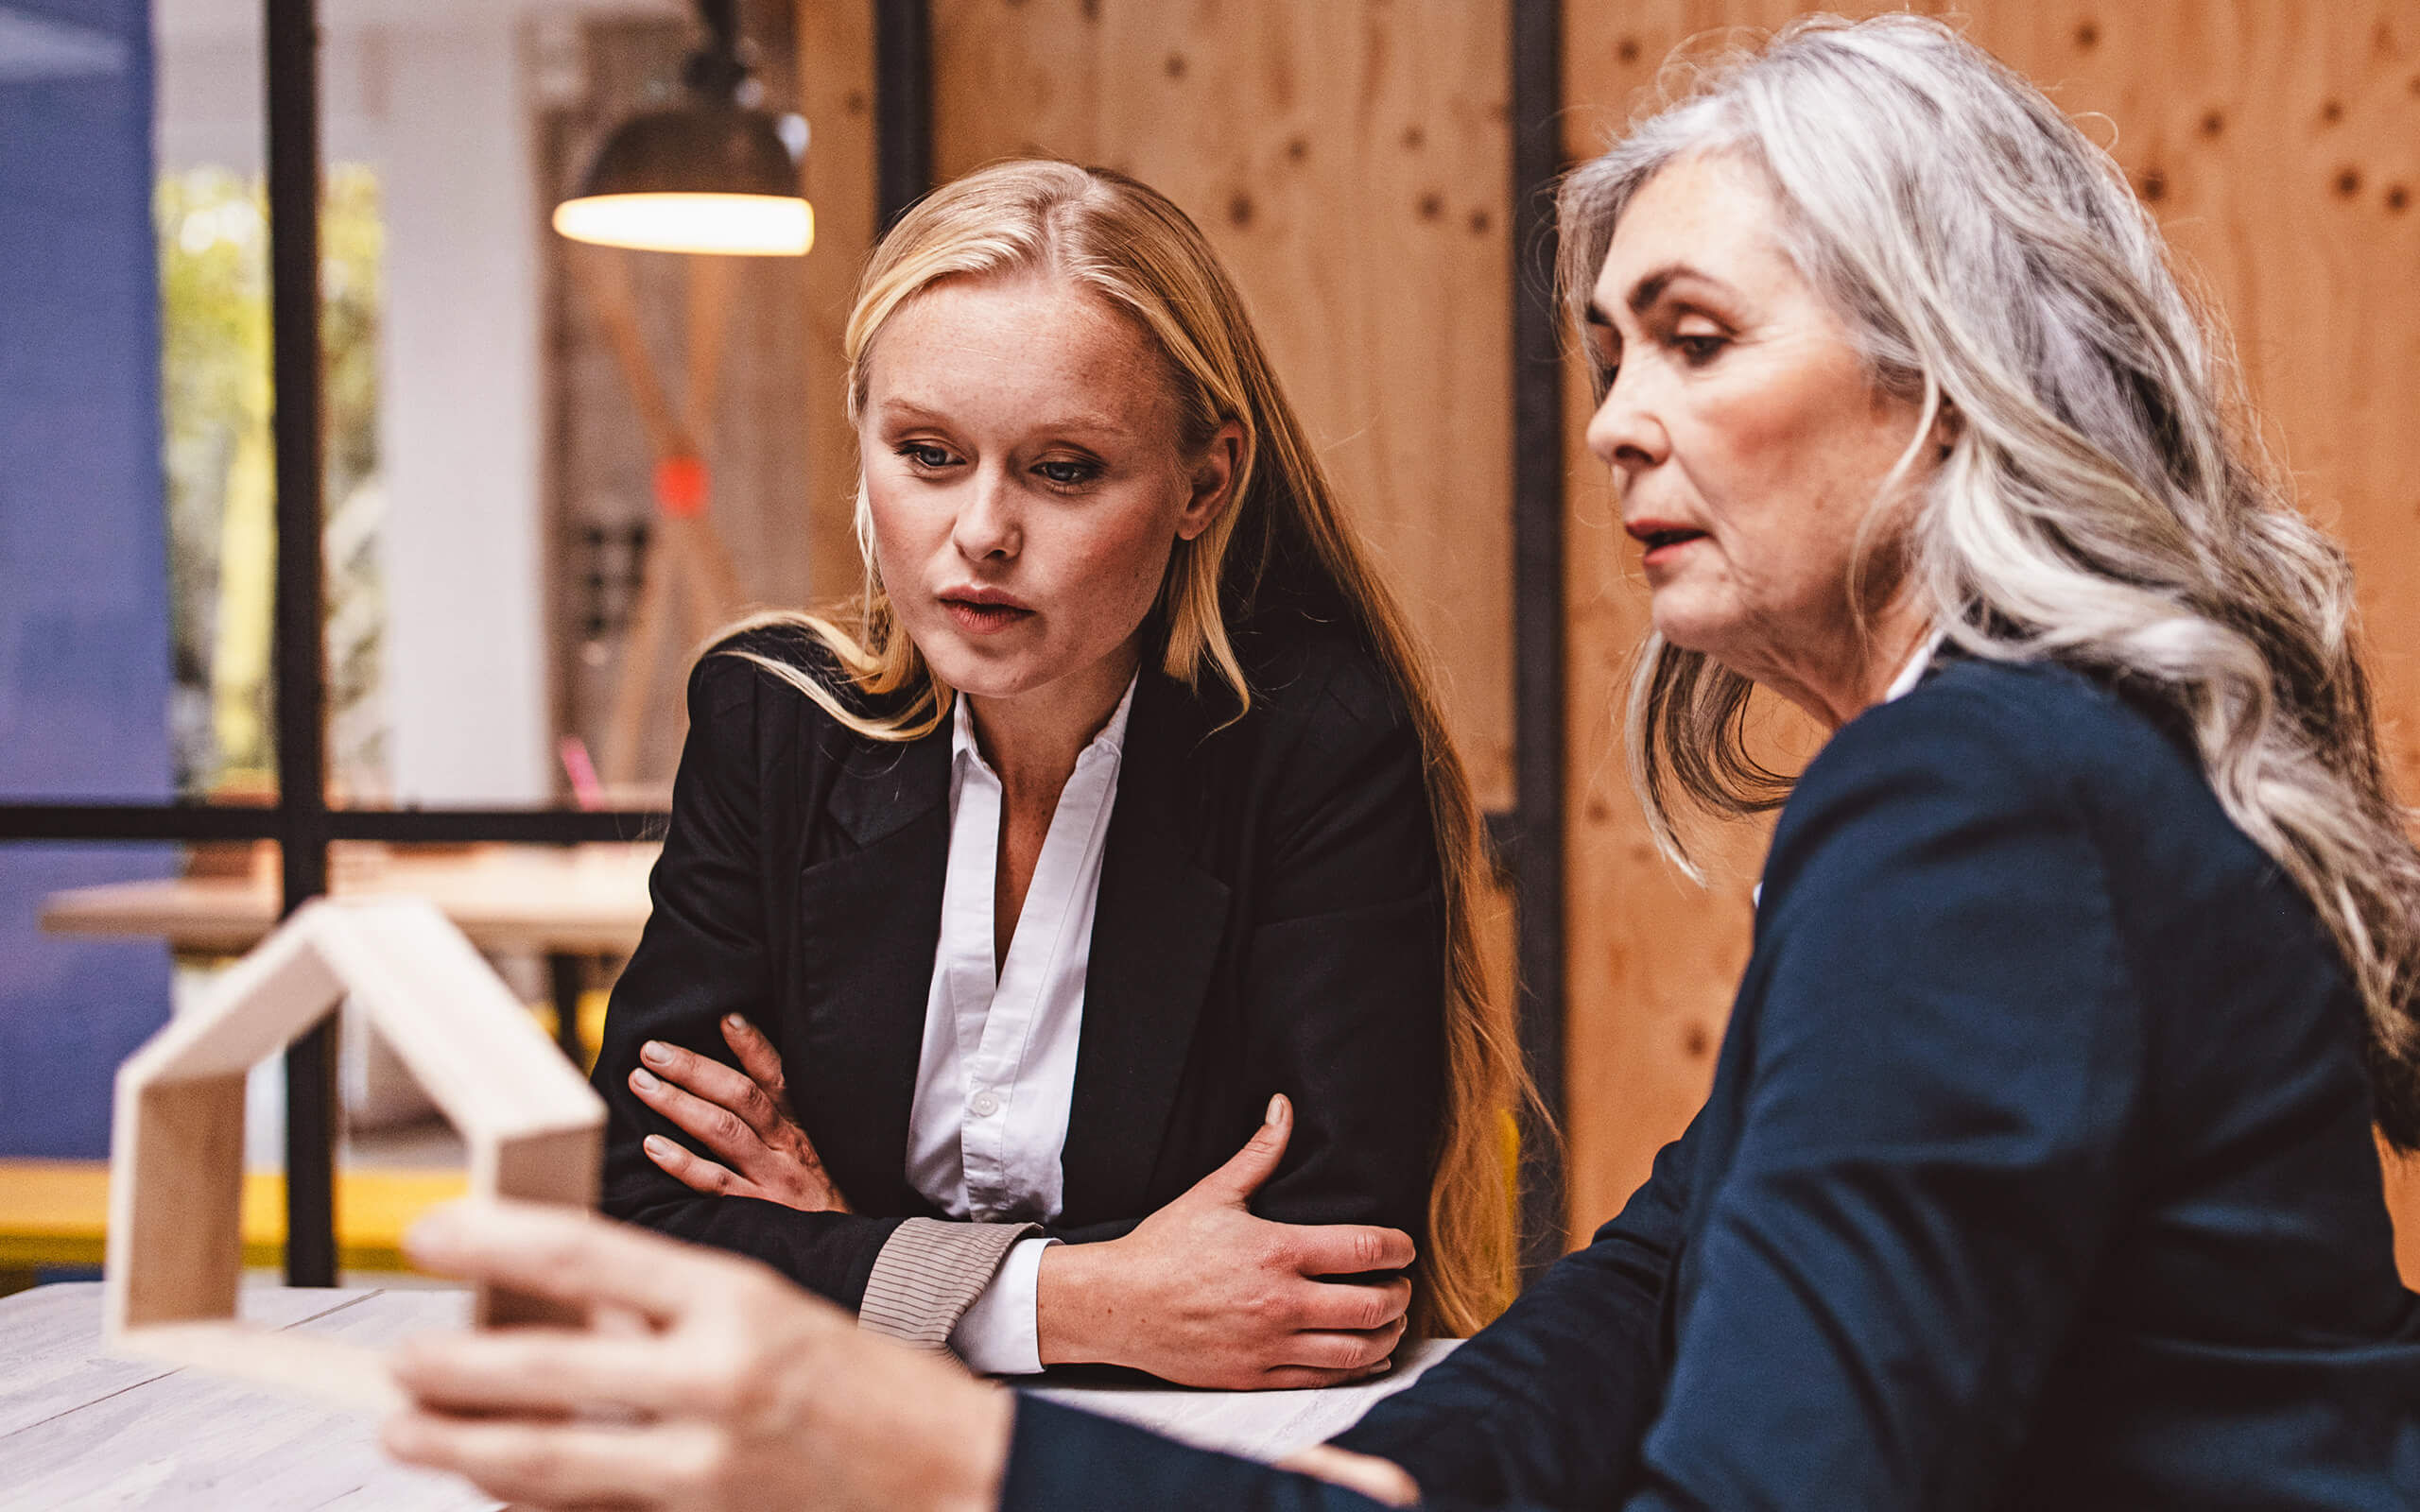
984,1104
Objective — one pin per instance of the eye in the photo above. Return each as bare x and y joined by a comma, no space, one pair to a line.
927,455
1700,349
1067,474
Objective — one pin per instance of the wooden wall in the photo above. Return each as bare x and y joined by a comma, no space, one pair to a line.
835,95
2280,143
1350,161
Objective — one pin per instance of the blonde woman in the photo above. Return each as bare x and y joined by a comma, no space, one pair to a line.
1070,957
2038,1169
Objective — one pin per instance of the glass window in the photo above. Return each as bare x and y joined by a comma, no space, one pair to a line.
213,226
99,944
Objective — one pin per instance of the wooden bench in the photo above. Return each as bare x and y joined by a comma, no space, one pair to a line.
56,1213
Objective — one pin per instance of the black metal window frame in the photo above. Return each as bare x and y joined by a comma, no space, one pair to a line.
301,821
1528,840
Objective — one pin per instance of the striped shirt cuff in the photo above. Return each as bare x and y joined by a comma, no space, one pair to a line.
929,1273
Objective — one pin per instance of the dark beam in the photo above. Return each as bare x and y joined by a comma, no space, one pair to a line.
514,826
198,821
1537,857
137,821
291,36
903,106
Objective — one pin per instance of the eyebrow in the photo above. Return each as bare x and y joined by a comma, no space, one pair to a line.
908,410
1651,288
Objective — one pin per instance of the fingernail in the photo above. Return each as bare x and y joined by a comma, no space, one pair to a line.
434,1237
735,1020
640,1079
1276,1108
659,1146
405,1435
404,1360
654,1054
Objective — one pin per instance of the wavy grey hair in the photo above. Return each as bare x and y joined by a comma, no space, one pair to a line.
2105,500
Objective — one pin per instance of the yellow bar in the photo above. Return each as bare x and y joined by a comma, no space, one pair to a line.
55,1213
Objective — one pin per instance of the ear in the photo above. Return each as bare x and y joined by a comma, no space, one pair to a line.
1948,426
1213,482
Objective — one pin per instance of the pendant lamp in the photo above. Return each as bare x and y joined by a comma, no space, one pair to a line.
710,175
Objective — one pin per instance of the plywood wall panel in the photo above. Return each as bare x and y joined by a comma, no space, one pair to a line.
1350,162
2279,144
835,93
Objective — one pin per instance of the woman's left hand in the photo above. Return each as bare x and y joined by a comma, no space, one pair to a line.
743,1116
733,1390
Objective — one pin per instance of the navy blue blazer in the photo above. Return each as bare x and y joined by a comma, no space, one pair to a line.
2037,1173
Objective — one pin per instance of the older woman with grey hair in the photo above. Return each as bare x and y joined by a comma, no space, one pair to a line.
2038,1170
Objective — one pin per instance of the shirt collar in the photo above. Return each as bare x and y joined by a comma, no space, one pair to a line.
1111,741
1913,672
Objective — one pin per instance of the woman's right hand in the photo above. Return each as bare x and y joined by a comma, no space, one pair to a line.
743,1117
1204,1294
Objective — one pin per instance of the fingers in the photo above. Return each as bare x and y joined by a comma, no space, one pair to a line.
1308,1378
1236,1182
1381,1480
569,1256
696,1171
553,1463
1352,1353
708,1080
1349,1248
722,1131
757,1057
547,1372
1352,1306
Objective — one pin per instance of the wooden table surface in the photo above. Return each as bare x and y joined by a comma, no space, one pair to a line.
569,899
80,1429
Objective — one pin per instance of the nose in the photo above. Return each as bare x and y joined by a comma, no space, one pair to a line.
1625,433
988,527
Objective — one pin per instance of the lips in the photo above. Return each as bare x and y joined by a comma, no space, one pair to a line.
1663,539
984,611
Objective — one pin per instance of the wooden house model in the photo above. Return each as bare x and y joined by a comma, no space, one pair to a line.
533,1127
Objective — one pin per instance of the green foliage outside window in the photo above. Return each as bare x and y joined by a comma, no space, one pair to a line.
213,229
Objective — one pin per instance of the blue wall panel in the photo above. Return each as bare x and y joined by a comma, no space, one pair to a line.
83,581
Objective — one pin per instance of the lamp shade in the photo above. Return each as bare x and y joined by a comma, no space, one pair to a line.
701,177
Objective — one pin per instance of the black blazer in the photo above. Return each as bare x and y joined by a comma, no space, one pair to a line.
2037,1173
1269,921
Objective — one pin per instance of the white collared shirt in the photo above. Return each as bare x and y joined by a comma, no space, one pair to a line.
997,1073
1913,673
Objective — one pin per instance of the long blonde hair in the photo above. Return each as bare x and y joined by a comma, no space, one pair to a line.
1283,531
2106,502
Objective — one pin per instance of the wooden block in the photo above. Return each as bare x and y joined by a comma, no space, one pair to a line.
178,1201
328,1370
250,1013
534,1129
558,1167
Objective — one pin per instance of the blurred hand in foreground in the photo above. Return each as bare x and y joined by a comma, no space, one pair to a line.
705,1381
1381,1480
